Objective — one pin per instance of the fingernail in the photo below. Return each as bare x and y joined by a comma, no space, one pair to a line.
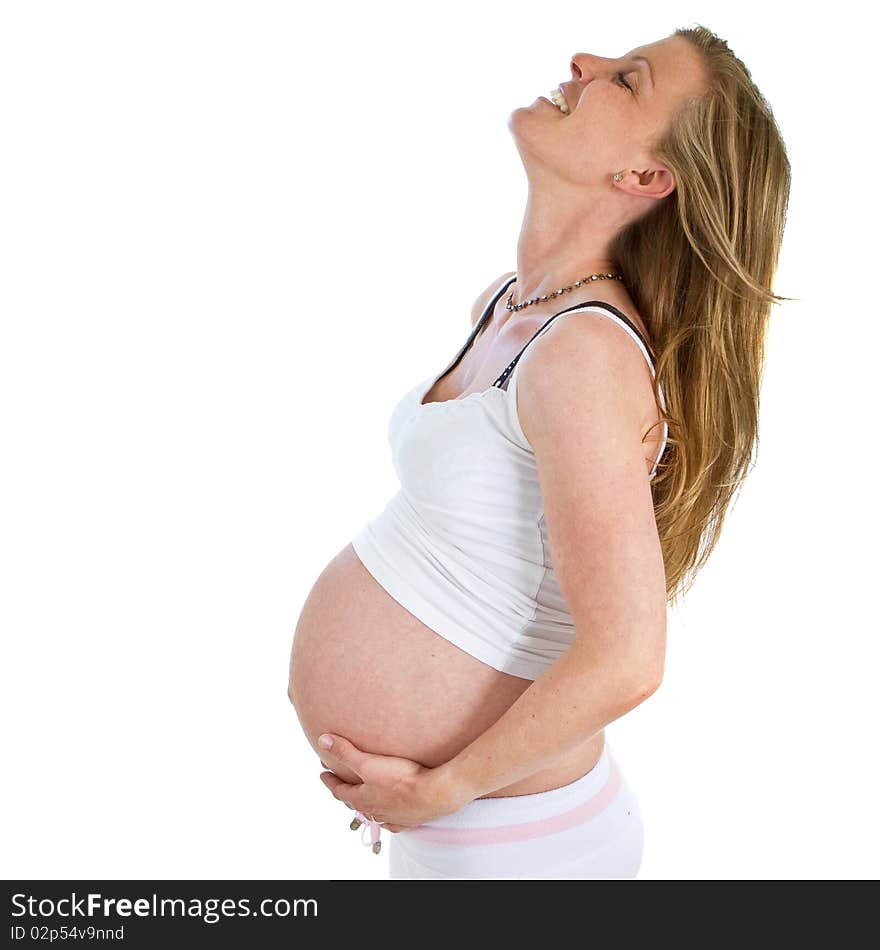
325,742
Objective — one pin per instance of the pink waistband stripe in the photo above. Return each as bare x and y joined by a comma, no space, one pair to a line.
501,834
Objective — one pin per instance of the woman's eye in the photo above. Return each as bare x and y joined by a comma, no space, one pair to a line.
620,76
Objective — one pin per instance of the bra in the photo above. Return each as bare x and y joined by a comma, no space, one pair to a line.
463,544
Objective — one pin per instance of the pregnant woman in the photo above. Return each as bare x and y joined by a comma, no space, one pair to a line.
561,482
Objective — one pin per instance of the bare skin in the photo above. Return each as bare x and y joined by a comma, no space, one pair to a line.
363,667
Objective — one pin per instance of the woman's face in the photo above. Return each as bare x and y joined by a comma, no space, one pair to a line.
617,108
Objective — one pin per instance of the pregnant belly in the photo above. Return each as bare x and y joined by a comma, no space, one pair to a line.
363,667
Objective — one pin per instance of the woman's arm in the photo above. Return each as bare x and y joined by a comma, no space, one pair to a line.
579,695
577,393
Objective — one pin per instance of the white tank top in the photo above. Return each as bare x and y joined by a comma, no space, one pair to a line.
463,544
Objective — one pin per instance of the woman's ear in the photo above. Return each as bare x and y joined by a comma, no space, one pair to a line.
656,181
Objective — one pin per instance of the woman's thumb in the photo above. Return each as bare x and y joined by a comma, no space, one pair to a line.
342,750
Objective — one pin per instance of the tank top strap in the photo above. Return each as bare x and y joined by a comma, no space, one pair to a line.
610,311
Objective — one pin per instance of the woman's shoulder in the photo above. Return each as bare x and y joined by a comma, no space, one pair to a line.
482,301
622,301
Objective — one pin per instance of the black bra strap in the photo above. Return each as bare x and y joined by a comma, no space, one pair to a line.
589,303
490,309
487,313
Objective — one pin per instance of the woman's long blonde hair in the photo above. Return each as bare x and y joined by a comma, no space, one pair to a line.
699,268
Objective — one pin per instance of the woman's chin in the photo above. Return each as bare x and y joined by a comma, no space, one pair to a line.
541,110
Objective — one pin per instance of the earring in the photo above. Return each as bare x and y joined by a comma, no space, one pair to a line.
618,176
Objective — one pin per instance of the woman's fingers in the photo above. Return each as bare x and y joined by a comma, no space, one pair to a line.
343,771
341,790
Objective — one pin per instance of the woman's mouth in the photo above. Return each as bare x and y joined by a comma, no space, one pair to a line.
558,100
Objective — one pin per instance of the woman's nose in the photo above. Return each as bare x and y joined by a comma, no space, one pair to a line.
578,65
585,65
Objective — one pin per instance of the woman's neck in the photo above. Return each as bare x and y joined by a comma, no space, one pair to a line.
563,238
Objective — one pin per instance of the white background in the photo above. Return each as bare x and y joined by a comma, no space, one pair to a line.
232,235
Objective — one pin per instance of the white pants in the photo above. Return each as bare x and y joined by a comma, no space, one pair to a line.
591,828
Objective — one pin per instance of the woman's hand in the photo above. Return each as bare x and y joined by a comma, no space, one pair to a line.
397,792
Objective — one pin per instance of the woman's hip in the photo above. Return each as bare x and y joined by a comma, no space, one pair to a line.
590,828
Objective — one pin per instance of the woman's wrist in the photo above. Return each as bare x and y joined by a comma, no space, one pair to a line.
451,789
